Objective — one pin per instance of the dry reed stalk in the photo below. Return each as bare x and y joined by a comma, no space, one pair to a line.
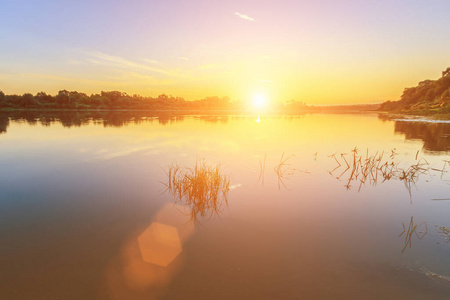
203,188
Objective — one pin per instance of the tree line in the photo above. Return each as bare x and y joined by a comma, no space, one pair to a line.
115,100
110,100
429,96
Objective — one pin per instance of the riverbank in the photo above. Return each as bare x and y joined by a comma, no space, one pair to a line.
416,115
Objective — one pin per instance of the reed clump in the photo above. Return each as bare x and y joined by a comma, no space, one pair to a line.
202,188
376,168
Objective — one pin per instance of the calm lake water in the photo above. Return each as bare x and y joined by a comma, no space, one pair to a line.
321,206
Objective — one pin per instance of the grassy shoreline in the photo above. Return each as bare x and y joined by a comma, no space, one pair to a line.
431,115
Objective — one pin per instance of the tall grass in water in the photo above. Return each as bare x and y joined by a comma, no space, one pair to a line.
202,188
375,168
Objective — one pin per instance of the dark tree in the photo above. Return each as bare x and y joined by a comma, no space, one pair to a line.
2,97
62,98
27,100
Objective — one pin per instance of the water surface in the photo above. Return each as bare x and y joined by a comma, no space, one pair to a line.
85,213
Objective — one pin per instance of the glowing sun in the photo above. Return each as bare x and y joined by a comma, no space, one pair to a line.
259,101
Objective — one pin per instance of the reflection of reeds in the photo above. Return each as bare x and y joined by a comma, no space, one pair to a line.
282,170
203,188
412,229
262,166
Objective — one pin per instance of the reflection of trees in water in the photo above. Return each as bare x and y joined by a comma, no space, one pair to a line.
214,119
114,118
4,123
436,136
105,118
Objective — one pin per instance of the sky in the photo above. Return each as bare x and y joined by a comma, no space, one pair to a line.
318,52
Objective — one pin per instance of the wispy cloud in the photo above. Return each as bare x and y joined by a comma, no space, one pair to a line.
245,17
93,61
74,62
99,58
151,61
142,79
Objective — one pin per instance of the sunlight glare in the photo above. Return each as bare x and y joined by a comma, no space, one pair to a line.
259,101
